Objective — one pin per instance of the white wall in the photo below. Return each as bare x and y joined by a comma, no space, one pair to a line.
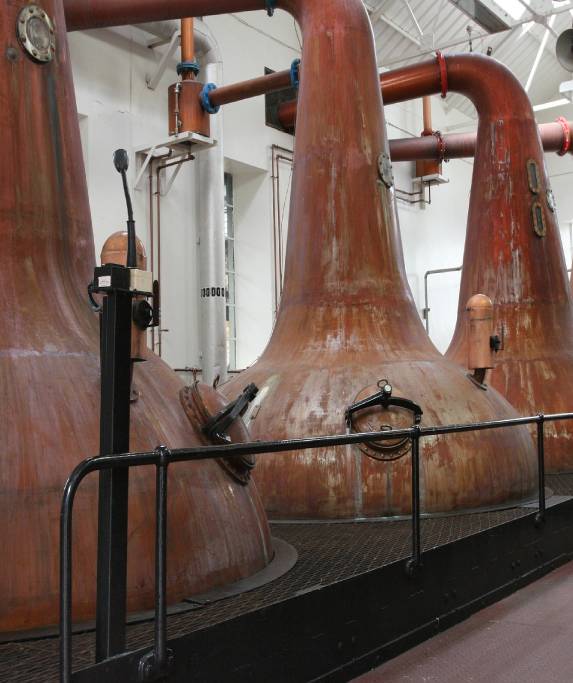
433,235
118,110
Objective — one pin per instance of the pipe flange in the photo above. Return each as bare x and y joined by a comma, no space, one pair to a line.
443,74
441,145
385,170
295,73
206,100
36,33
566,136
186,67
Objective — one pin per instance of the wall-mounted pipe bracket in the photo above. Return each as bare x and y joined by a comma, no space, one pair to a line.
179,145
153,80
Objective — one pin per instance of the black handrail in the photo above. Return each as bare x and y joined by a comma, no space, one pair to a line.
156,662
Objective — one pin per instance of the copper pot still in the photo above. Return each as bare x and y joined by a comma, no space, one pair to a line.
347,319
49,371
513,254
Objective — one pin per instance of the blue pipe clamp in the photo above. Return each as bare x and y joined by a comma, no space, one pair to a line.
295,73
206,100
184,67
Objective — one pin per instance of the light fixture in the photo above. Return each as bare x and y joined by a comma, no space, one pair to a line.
488,14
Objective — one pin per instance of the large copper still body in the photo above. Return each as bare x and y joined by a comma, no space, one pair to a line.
49,378
347,318
513,253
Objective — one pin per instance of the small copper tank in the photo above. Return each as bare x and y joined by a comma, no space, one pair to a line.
480,328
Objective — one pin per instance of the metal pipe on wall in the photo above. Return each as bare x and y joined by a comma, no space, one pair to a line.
426,309
278,154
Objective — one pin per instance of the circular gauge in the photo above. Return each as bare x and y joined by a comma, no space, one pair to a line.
36,33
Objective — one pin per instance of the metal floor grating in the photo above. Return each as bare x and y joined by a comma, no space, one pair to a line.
327,554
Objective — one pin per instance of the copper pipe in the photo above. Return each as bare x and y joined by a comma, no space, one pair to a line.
81,15
427,115
408,83
187,46
256,86
457,145
287,114
463,145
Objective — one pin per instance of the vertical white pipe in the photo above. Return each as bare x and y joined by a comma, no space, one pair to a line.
210,198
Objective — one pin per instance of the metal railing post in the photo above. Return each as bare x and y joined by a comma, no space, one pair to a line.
416,560
65,591
155,665
540,516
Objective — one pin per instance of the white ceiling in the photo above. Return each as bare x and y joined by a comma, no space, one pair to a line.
408,31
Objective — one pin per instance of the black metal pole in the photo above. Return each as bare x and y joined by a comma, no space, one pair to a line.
66,589
155,665
161,562
416,560
114,483
540,516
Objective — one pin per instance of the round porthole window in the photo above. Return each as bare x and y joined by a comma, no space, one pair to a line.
36,33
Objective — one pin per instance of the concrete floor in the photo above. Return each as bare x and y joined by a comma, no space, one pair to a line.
525,638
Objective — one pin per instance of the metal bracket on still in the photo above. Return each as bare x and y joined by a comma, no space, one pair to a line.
217,426
384,399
